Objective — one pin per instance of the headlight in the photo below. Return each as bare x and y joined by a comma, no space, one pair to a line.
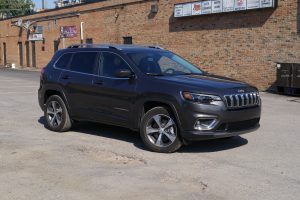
200,98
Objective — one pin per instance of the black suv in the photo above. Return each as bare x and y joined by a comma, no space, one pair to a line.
166,98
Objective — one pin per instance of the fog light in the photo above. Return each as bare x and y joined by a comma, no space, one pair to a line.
206,124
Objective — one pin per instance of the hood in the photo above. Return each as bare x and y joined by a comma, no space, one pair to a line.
208,82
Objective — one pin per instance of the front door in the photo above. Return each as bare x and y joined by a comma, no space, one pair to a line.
114,97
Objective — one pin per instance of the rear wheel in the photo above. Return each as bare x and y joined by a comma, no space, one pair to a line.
159,131
56,114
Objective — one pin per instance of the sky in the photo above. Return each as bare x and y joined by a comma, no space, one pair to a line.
38,3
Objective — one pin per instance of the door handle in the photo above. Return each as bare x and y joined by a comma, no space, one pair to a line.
98,82
66,77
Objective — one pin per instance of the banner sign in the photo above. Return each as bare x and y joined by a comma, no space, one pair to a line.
68,31
35,37
219,6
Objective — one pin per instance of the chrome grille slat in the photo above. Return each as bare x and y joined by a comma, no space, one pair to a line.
242,100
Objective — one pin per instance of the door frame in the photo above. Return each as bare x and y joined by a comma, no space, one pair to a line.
27,49
21,60
33,54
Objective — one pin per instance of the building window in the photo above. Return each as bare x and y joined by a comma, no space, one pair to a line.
89,41
127,40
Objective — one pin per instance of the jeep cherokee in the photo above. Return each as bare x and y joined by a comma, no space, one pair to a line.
147,89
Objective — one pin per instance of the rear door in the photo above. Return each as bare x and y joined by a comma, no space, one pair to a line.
77,82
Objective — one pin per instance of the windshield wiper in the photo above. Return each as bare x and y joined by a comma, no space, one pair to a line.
154,74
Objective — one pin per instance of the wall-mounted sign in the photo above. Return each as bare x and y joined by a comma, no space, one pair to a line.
253,4
218,6
178,12
68,31
240,5
206,7
266,3
196,8
36,37
228,5
187,9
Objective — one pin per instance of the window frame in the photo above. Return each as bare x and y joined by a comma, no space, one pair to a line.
99,56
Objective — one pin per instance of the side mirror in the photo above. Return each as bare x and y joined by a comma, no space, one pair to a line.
124,73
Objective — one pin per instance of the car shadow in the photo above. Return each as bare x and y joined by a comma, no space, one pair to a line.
214,145
127,135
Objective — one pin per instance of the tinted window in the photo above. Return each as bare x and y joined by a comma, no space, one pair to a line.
63,61
163,63
85,62
111,63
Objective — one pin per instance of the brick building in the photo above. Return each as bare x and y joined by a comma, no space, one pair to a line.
245,45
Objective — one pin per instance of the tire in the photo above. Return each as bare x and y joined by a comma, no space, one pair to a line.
57,119
159,131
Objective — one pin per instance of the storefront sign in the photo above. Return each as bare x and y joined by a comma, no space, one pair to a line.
240,5
178,11
266,3
36,37
196,8
206,7
228,5
68,31
218,6
253,4
187,9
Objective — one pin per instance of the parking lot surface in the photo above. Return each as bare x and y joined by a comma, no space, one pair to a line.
103,162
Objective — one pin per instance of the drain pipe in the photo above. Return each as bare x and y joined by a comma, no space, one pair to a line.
81,32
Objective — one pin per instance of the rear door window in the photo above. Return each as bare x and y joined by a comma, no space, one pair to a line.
63,61
85,62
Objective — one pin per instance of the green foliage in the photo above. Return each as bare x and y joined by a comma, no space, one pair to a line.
12,8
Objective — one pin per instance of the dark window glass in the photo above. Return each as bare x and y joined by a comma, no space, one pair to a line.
111,63
127,40
85,62
63,61
162,63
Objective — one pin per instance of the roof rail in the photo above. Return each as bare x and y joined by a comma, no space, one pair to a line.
87,46
155,47
111,46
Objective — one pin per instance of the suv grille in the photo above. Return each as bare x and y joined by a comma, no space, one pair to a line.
242,100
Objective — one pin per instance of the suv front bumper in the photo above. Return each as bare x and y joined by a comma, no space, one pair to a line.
229,122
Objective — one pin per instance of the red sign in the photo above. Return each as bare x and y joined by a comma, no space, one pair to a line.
68,31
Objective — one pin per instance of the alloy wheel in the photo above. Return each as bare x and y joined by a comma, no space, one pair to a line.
161,130
54,113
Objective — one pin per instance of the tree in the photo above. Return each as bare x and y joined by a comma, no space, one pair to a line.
12,8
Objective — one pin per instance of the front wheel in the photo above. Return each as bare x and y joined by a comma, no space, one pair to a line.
57,115
159,131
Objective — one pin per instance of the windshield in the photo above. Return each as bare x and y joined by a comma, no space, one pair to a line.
162,63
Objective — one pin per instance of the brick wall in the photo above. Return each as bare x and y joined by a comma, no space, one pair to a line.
242,45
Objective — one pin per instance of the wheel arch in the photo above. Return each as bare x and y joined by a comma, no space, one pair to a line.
152,103
55,91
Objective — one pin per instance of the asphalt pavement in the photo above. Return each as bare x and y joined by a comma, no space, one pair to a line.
95,161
